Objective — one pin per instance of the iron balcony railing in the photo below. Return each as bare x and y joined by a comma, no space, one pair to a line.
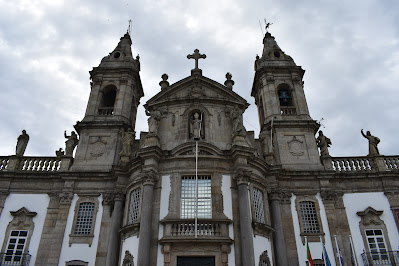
13,259
381,258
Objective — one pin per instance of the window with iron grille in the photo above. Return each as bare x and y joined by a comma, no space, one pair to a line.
259,210
376,241
84,219
15,246
188,197
309,217
134,207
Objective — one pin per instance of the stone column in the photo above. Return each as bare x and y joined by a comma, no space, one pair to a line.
146,220
114,243
247,244
101,256
277,223
54,228
337,223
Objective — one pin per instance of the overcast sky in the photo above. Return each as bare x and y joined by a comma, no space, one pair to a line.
349,49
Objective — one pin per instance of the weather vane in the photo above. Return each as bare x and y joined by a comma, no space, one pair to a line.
268,24
129,29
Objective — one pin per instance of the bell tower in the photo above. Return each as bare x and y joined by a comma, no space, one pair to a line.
287,130
114,98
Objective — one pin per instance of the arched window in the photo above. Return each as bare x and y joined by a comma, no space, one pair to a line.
108,100
285,97
134,206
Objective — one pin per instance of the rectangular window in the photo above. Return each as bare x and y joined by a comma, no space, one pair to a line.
85,218
15,246
376,242
188,196
134,207
309,217
259,210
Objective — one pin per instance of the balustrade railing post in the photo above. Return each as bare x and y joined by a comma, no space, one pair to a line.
327,162
379,163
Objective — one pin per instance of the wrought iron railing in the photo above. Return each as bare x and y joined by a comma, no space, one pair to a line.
380,258
7,259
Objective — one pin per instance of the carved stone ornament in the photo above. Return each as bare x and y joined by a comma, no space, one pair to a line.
282,196
150,177
119,195
370,216
196,91
97,147
264,259
296,147
333,197
128,259
108,198
242,176
66,197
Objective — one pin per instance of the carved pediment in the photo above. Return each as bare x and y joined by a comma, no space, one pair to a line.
197,88
370,216
188,149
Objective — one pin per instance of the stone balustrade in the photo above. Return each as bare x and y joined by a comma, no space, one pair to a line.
205,228
392,162
40,164
4,162
106,110
352,164
288,110
30,164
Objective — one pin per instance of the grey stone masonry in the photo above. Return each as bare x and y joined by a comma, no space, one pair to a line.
114,239
247,245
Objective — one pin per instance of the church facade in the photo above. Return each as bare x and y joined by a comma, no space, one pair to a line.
198,188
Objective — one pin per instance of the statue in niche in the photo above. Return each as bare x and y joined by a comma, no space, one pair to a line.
323,143
238,126
22,142
373,142
127,141
196,126
70,143
153,121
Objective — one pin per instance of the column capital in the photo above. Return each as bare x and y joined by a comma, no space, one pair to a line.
279,195
149,177
119,195
333,197
65,198
108,198
242,176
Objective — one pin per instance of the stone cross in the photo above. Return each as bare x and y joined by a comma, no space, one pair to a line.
196,55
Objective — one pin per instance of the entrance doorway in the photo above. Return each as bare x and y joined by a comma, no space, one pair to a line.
195,261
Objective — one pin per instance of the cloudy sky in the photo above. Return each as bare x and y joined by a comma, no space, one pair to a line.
349,49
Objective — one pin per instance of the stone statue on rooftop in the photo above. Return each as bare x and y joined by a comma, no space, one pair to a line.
127,141
373,142
323,143
59,153
22,142
153,121
238,126
70,143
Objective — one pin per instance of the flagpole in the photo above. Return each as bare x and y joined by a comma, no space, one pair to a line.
196,189
353,250
338,250
323,249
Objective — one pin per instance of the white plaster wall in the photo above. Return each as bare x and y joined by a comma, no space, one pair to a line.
261,244
228,211
316,248
132,245
356,202
34,203
227,200
164,209
80,251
